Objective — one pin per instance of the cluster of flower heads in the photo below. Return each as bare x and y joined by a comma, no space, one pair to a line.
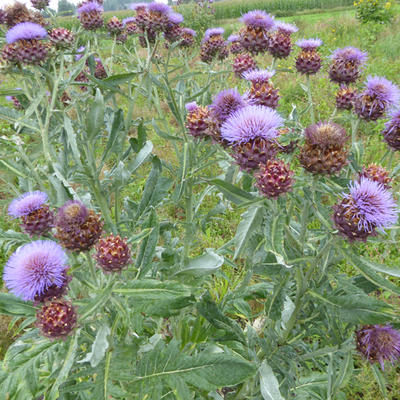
213,45
261,33
154,18
28,41
249,125
38,271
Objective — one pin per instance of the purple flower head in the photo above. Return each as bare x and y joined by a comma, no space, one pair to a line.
27,203
175,18
258,19
233,38
382,90
189,31
9,98
379,343
159,7
225,103
371,204
394,123
72,213
258,75
350,53
309,44
34,267
128,20
251,122
136,6
285,28
191,106
25,31
213,32
86,8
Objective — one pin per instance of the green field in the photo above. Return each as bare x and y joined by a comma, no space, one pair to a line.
337,28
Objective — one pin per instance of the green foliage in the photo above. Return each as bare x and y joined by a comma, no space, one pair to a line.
198,15
236,8
376,11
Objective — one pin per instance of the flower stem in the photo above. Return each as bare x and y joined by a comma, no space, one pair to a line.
310,100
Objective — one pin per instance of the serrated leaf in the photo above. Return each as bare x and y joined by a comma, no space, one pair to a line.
141,157
11,305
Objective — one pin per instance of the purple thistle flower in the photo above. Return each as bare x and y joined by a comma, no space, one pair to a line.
213,32
89,7
350,53
382,90
379,343
391,133
285,28
72,214
25,31
225,103
309,44
27,203
251,122
9,98
233,38
371,204
189,31
175,18
258,19
394,123
128,20
34,267
159,7
136,6
191,106
258,75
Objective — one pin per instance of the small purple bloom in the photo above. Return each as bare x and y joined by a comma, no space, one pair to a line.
159,7
286,28
258,19
382,90
136,6
251,122
371,204
27,203
350,53
25,31
9,98
128,20
191,106
189,31
257,75
309,44
79,50
175,18
225,103
213,32
233,38
379,343
34,267
89,7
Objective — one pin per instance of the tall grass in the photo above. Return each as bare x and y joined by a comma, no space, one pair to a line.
235,8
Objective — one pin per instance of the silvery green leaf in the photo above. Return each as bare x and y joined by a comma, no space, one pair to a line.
269,385
99,347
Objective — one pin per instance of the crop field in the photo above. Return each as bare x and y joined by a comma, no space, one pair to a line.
191,231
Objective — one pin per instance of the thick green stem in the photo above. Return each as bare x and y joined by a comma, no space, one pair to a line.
92,269
189,219
310,100
354,129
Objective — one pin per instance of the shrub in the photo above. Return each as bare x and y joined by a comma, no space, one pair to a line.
380,11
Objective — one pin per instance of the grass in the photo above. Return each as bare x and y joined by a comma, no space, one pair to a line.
337,28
